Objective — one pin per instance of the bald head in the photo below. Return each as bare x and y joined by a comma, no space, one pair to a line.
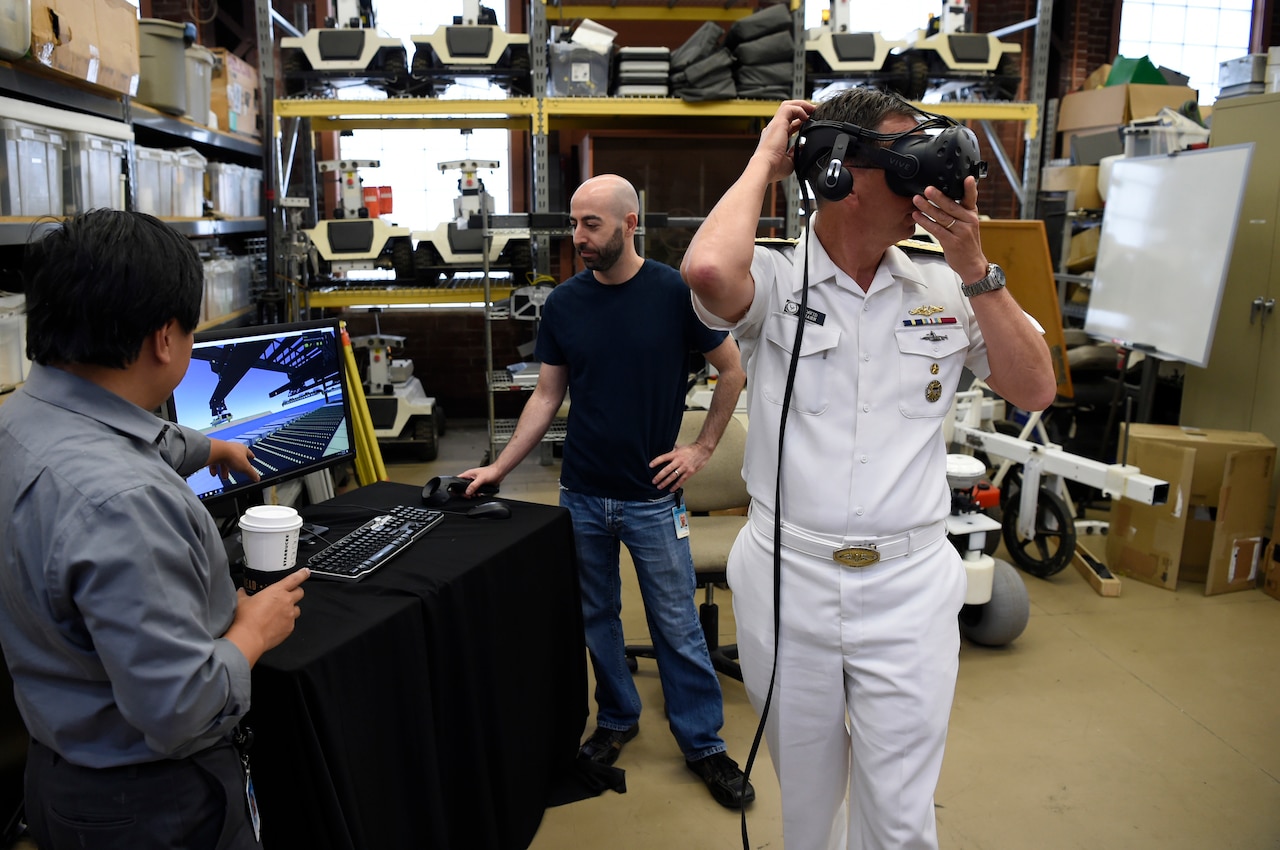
609,193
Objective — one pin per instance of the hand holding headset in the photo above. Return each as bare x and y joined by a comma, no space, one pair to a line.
912,159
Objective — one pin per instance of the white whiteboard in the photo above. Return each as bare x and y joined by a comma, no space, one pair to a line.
1167,233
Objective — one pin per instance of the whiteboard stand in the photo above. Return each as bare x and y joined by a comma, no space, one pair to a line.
1167,233
1145,396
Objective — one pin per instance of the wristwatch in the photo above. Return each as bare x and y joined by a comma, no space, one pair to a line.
993,281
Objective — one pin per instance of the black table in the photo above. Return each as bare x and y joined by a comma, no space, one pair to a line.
434,704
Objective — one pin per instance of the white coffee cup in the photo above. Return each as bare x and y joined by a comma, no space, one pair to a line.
269,534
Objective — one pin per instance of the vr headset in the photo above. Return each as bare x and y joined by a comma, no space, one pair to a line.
912,159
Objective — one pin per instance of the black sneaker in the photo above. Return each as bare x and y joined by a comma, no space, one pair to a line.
724,779
605,745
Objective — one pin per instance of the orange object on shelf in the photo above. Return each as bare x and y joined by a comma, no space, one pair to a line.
372,201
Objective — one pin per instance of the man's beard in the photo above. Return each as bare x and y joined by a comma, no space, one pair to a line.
608,255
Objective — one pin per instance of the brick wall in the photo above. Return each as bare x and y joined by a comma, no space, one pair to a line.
1085,33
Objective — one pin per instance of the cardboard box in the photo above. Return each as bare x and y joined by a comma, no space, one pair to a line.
1084,250
91,40
1081,179
64,36
1113,106
234,95
1212,527
1271,578
118,46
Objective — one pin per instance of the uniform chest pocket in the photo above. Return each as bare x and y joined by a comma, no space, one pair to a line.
818,359
929,365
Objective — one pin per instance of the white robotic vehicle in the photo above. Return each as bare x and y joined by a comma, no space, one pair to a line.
463,242
474,46
401,410
353,239
944,60
348,49
957,63
835,53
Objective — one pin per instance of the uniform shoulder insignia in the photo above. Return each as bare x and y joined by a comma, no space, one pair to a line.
776,243
921,247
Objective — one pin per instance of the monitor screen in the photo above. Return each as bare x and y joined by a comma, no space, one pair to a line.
279,389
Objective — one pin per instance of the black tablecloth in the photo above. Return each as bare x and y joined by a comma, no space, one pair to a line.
433,704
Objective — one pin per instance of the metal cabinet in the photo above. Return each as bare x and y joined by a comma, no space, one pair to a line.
1236,390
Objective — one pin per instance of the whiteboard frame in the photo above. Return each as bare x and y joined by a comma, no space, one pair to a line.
1168,230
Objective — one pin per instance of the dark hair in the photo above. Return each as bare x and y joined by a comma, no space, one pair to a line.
100,282
865,107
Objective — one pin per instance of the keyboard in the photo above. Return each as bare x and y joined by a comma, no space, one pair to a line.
373,544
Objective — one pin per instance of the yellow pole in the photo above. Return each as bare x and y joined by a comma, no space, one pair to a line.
369,466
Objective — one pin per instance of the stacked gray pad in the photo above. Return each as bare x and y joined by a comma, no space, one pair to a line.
701,69
763,49
642,71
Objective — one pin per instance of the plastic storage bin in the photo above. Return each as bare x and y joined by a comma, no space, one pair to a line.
251,193
199,83
162,65
226,188
242,296
188,183
95,172
31,177
157,171
219,286
1149,140
14,364
15,28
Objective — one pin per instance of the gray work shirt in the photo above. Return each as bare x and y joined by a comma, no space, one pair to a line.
114,585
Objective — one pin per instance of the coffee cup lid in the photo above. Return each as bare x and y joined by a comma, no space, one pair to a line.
270,518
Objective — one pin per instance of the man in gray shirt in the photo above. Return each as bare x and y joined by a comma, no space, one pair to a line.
128,644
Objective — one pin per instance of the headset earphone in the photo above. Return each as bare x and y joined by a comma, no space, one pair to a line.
911,161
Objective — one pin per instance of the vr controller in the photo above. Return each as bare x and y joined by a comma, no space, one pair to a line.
911,160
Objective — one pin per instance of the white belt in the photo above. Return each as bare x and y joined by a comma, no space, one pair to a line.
850,551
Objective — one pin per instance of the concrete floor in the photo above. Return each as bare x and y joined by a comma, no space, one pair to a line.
1151,720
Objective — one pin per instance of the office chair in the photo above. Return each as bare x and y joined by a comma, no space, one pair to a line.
717,487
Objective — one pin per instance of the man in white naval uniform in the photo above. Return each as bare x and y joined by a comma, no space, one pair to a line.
870,589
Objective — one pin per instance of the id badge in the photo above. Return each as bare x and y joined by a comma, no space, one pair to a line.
680,516
253,805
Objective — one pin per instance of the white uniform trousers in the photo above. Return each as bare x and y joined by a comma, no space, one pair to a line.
866,675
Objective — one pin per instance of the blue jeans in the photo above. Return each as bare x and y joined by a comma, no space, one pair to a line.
664,567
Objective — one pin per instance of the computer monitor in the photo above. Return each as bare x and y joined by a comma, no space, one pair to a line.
279,389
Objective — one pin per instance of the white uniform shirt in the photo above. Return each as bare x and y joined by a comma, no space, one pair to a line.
864,453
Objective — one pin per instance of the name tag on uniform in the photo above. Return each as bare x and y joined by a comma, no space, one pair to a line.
811,315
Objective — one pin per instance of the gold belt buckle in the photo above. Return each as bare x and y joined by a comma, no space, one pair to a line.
856,556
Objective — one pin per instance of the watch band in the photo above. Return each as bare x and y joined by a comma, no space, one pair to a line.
993,281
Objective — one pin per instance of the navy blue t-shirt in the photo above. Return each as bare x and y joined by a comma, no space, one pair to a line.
626,347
